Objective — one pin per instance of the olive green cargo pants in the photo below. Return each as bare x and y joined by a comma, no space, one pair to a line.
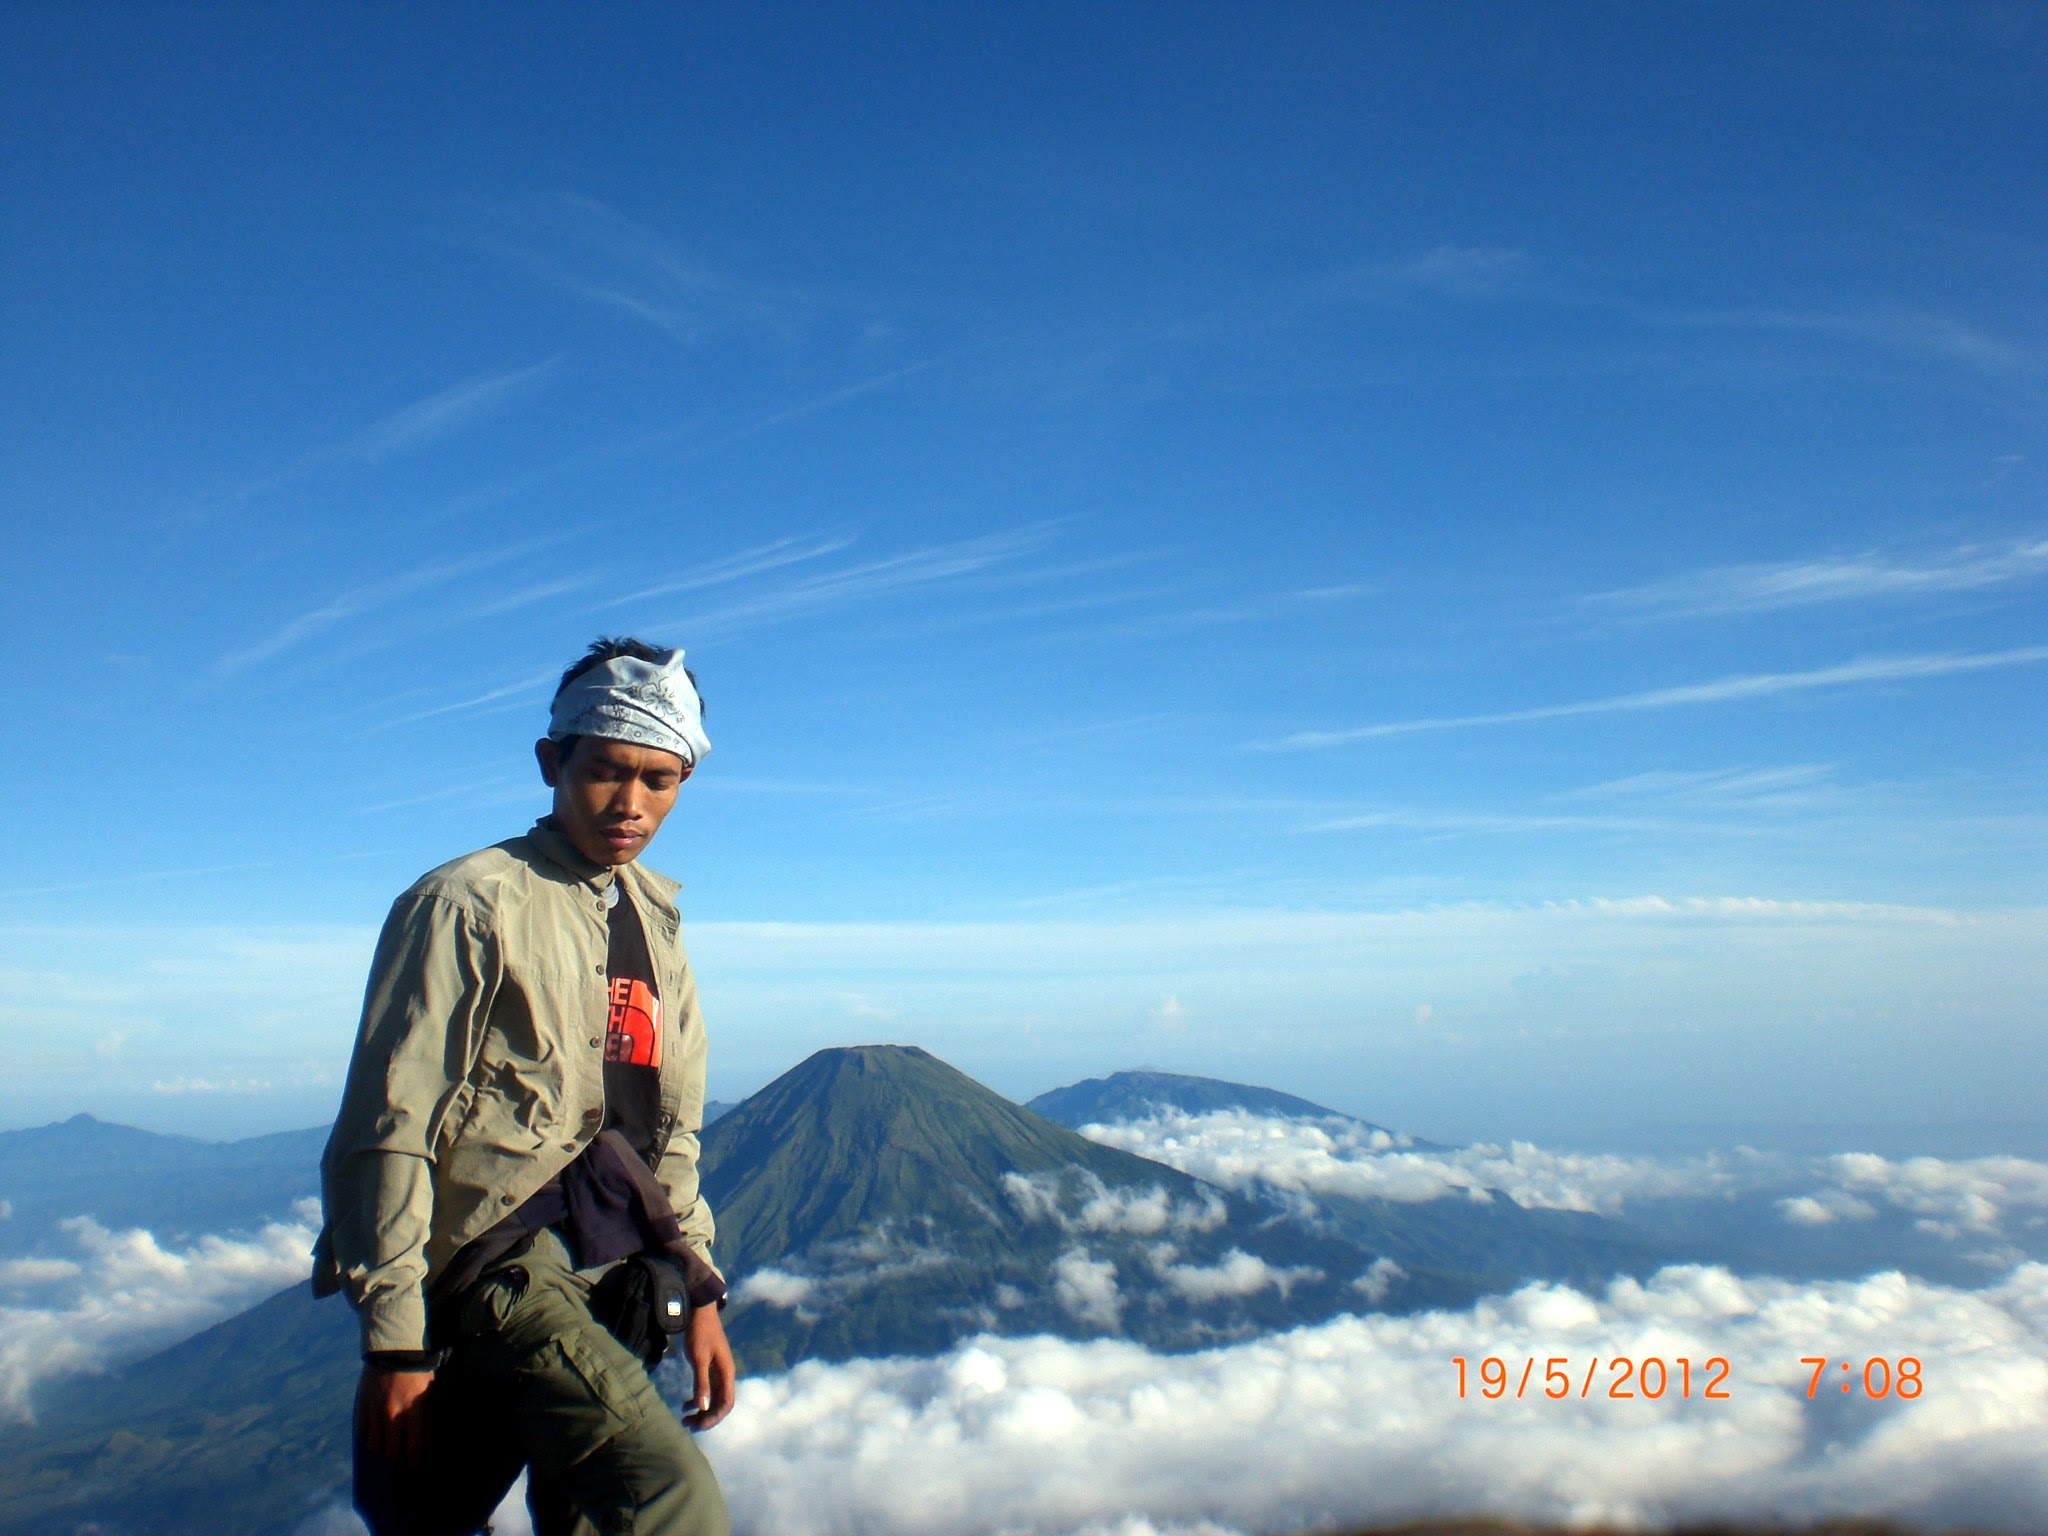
534,1379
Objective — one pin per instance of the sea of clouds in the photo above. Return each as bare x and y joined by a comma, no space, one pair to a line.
1984,1199
1347,1423
112,1295
1359,1421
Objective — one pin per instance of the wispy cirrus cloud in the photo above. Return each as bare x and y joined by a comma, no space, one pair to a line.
1925,334
1451,271
791,598
602,256
1481,273
1801,583
515,694
360,601
526,597
1438,821
406,429
1183,616
762,558
1755,685
925,567
445,411
1721,788
758,560
839,396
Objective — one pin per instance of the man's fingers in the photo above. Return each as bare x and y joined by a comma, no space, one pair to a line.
723,1382
715,1388
722,1393
704,1408
711,1369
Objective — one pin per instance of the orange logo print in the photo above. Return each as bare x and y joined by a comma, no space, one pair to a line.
633,1028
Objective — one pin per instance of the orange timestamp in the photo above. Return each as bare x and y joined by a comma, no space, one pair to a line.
1878,1377
1654,1377
1651,1377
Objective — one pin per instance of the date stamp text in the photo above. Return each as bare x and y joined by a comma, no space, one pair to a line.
1652,1377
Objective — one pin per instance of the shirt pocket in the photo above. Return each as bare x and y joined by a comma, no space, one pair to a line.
545,1036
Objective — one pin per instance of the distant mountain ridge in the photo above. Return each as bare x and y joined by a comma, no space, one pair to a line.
1143,1095
1139,1095
124,1177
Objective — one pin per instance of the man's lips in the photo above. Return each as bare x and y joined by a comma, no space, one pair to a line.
622,837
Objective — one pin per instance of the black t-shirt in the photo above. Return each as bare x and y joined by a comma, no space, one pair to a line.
633,1035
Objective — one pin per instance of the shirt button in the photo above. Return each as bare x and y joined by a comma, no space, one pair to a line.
504,1199
599,969
595,1042
568,1146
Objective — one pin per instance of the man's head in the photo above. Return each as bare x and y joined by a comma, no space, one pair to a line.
625,730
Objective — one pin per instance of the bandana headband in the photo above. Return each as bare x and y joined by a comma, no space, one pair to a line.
649,703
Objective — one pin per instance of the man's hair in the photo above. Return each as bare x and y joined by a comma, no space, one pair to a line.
601,650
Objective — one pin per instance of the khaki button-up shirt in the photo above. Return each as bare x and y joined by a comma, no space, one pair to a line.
478,1072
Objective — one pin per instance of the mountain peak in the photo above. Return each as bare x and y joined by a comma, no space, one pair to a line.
875,1170
858,1135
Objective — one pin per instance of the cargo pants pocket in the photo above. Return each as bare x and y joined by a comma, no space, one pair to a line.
577,1402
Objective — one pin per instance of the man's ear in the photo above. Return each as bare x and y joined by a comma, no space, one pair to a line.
549,756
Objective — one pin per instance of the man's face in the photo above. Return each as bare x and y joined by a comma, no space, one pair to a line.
610,796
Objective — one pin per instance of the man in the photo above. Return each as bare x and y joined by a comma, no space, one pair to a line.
521,1110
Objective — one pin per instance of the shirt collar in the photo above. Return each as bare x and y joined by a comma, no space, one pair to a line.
557,849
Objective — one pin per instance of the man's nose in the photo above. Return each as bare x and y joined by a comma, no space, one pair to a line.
628,800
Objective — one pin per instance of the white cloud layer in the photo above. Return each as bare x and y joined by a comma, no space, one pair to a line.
1144,1212
1358,1421
1237,1273
1240,1150
124,1293
1970,1197
833,1274
1086,1286
1302,1159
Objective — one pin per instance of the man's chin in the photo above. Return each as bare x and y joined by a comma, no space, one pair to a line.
604,850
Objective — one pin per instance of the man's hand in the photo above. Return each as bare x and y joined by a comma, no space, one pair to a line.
391,1412
711,1366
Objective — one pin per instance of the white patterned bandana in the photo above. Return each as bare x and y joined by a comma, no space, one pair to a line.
649,703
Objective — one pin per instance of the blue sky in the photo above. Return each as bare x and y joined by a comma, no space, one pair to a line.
1481,564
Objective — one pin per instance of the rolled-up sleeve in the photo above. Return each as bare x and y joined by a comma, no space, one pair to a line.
424,1011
